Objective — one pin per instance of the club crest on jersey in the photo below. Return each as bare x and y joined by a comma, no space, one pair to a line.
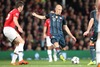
17,14
56,16
60,17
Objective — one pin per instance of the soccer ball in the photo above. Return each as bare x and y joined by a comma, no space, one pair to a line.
75,60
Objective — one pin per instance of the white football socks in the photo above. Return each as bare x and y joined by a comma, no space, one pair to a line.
21,45
20,56
98,51
15,55
49,55
55,55
20,53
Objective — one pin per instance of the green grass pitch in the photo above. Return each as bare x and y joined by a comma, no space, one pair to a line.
45,63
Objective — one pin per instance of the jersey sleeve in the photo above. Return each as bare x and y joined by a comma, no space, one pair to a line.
16,14
91,15
47,16
46,24
64,21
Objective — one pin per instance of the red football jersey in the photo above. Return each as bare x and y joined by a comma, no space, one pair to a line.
47,24
9,19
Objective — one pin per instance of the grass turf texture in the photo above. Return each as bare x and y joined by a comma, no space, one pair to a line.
45,63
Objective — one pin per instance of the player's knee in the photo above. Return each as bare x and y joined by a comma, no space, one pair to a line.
15,42
19,40
56,44
22,41
49,47
64,48
91,43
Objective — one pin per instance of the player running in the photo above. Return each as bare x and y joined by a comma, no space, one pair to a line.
13,36
56,23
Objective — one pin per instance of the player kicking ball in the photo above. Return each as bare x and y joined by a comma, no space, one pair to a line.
13,36
57,22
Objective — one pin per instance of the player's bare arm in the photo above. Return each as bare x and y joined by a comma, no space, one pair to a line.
68,31
38,16
17,24
91,22
44,32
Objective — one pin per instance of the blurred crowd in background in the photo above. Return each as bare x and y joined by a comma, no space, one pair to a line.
76,12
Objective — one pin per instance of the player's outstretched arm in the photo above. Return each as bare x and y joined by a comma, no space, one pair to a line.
38,16
91,22
68,31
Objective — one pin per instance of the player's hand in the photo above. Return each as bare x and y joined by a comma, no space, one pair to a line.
33,13
86,33
20,30
74,38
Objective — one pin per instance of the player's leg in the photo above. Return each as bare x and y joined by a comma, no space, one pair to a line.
98,46
63,46
20,49
14,37
55,54
59,53
92,48
10,33
98,49
15,54
92,53
49,49
58,50
55,41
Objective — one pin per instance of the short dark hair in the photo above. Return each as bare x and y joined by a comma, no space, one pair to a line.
19,3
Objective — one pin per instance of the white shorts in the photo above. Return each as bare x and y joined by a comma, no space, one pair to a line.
48,41
10,33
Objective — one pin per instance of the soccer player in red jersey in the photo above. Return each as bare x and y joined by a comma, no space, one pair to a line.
13,36
46,34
